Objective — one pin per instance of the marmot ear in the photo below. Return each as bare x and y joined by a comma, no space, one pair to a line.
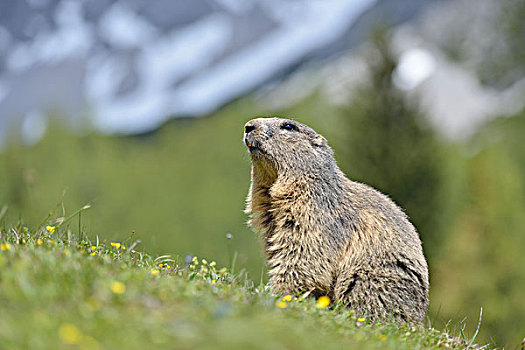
319,141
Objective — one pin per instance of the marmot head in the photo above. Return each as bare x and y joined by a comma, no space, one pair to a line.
284,145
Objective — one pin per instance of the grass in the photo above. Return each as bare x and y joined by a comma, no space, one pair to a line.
182,189
62,291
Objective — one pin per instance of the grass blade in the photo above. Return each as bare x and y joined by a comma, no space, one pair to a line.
477,328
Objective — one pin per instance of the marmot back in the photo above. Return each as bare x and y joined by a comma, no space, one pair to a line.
327,235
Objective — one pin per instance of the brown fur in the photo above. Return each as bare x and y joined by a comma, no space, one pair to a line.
327,235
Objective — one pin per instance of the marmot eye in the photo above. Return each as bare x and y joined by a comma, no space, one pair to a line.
288,126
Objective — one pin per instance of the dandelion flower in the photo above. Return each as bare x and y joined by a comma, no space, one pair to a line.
50,229
287,298
93,254
39,241
361,319
323,302
5,246
154,272
116,245
69,334
281,304
161,265
117,287
93,247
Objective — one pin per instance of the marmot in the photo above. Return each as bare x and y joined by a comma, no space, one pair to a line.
327,235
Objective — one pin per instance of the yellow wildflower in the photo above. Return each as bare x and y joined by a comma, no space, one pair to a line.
161,265
361,319
281,304
50,229
168,267
195,260
323,302
204,262
117,287
287,298
5,246
116,245
69,334
154,272
213,281
93,254
39,241
213,263
93,247
66,251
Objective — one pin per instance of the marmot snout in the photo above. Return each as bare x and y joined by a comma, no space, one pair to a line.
290,142
325,234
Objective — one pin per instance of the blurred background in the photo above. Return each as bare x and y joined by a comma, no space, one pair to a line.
138,107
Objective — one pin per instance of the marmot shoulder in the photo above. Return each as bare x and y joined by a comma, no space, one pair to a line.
328,235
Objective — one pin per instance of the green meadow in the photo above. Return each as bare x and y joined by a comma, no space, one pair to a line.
180,191
61,290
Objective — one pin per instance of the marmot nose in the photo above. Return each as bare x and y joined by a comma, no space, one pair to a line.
248,128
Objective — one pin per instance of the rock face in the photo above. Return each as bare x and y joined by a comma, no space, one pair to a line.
132,64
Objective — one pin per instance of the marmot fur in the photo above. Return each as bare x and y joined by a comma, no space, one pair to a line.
326,234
